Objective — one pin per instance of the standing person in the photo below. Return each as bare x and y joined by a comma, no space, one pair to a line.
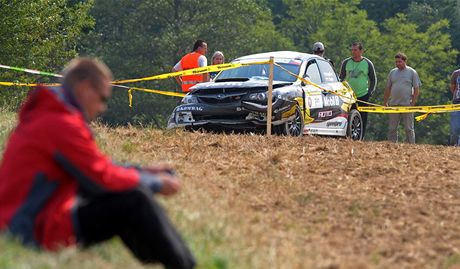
402,89
58,189
360,74
217,58
318,49
455,115
194,59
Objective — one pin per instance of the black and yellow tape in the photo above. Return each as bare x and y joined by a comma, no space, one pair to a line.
9,84
130,93
194,71
375,108
371,108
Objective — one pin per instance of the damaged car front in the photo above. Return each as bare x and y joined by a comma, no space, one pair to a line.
237,99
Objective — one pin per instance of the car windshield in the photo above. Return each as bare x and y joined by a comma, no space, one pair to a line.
261,71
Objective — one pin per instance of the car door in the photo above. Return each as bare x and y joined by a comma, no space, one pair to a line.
313,98
332,103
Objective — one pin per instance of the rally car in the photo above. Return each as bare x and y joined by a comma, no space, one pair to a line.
237,99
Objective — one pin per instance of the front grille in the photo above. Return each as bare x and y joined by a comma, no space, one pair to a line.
228,90
220,117
219,99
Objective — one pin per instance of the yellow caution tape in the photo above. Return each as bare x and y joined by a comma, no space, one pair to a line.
372,108
411,109
9,84
353,98
130,93
194,71
375,108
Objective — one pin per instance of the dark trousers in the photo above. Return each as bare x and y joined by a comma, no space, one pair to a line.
363,114
141,224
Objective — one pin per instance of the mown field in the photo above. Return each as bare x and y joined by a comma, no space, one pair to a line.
251,201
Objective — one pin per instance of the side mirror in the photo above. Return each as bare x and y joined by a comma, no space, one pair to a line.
307,77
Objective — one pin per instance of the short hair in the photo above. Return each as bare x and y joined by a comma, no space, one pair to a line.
198,43
357,44
401,56
217,53
80,69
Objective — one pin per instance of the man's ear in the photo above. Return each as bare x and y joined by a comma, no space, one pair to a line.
81,89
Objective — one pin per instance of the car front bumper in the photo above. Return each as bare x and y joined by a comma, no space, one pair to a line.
242,114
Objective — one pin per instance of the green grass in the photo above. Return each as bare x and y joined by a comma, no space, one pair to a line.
7,123
109,255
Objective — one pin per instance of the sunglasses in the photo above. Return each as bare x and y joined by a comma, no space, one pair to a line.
103,98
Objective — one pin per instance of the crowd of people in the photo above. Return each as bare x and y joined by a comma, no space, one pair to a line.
402,88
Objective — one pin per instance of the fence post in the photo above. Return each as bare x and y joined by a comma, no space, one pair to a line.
269,97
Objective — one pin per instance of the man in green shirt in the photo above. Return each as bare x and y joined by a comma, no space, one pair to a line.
360,74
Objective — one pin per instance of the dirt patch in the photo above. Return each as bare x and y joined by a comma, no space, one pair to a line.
310,202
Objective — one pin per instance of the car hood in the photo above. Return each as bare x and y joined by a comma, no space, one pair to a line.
253,84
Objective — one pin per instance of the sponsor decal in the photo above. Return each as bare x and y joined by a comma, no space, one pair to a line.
325,114
189,108
333,124
312,131
315,101
331,100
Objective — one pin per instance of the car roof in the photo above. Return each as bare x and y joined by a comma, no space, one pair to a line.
277,55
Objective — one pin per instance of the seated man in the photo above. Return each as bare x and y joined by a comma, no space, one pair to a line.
57,188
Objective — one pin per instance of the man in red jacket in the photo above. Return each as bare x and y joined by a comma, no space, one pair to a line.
57,188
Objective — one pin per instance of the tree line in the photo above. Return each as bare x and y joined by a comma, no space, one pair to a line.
138,38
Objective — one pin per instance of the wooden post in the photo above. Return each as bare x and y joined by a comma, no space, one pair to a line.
269,97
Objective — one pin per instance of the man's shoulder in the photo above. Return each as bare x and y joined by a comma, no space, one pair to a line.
456,72
392,71
45,112
368,61
346,60
411,70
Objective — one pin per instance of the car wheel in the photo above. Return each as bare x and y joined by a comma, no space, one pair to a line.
355,125
293,127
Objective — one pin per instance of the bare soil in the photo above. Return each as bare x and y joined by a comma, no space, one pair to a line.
310,202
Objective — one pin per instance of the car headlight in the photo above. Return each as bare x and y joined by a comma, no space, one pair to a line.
260,96
189,99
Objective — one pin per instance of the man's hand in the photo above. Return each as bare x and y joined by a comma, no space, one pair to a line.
160,168
170,184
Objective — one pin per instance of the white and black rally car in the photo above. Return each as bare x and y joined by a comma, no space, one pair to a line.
237,99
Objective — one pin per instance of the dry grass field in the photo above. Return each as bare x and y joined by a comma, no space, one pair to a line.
251,201
280,202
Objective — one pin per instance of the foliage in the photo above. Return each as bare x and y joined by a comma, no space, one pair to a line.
38,34
141,38
144,37
380,10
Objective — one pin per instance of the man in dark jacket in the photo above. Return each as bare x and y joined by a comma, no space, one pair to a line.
57,188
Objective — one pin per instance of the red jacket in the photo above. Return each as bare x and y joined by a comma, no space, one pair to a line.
50,157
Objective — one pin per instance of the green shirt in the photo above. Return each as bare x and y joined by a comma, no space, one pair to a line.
360,75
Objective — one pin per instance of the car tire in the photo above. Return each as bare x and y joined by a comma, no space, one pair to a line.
293,127
355,125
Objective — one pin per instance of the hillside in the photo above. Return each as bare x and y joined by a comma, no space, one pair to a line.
251,201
